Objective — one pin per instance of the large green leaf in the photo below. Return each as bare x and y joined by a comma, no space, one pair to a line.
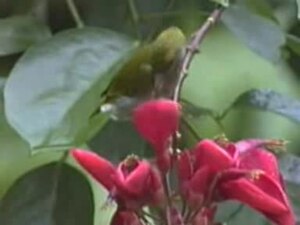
260,7
270,101
118,139
17,33
261,35
14,152
235,213
293,43
290,168
50,195
2,84
55,87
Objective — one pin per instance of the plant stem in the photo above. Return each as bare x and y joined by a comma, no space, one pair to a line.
134,17
74,13
192,49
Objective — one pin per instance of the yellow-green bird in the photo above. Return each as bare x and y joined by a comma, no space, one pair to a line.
150,73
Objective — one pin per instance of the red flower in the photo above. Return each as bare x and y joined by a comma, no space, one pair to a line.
157,121
264,192
125,217
250,175
197,169
133,184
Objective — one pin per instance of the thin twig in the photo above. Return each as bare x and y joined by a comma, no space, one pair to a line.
134,17
192,48
74,13
190,52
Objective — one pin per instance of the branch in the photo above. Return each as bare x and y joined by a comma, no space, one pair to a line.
74,13
192,49
134,17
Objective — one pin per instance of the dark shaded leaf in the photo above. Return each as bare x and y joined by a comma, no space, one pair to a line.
294,193
2,84
49,195
37,8
290,168
192,110
261,35
234,213
55,87
272,101
118,139
19,32
293,43
261,7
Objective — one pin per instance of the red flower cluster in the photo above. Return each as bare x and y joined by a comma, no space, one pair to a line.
212,172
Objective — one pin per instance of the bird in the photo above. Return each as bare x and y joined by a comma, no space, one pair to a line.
150,73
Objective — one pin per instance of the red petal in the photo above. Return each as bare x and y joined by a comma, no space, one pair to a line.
248,144
101,169
260,159
264,195
185,166
198,186
201,180
136,181
155,185
209,153
156,121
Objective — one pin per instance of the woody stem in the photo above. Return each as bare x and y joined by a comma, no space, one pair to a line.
193,48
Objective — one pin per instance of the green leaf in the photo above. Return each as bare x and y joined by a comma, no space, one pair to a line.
55,87
192,110
15,159
293,43
298,4
234,213
50,195
224,3
2,84
290,168
272,101
118,139
261,7
17,33
261,35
